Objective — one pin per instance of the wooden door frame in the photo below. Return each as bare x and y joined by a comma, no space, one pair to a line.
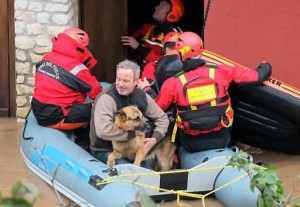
8,102
11,58
98,19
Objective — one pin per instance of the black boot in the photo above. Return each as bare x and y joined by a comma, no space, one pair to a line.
82,137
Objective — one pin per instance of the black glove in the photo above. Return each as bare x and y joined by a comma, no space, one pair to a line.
172,119
264,71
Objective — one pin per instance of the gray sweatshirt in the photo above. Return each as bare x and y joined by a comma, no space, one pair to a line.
103,126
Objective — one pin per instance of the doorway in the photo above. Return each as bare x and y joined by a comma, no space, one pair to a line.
106,21
140,12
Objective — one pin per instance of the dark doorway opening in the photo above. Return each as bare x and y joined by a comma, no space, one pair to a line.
140,12
106,21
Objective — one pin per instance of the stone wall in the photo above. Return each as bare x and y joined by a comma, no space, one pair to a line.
36,22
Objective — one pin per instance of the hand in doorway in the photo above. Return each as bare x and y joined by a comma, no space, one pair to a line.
130,41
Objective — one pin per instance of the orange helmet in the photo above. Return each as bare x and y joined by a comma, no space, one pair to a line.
171,37
177,10
188,45
77,34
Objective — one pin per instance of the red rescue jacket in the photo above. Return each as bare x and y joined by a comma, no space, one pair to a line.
201,96
149,71
150,37
63,75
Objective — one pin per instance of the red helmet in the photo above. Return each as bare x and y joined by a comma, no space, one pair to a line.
77,34
189,44
177,10
171,37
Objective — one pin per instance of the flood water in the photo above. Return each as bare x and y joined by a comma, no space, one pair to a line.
13,169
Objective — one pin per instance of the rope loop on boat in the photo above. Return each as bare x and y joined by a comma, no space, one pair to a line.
178,193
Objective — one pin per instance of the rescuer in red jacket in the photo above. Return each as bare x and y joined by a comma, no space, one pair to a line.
147,41
200,96
169,58
63,81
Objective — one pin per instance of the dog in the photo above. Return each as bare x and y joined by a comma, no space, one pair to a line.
160,157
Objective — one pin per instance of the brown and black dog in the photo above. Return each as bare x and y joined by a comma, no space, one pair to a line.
160,157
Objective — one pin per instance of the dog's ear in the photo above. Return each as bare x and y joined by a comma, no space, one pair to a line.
121,114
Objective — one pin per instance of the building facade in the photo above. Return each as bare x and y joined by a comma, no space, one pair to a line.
36,22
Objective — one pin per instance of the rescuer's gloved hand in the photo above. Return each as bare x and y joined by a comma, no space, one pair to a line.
264,71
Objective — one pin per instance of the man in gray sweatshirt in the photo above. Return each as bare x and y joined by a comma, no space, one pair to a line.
123,93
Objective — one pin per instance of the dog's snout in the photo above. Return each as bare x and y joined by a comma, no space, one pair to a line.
143,127
149,128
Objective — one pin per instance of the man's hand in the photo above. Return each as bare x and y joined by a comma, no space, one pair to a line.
130,41
142,83
148,144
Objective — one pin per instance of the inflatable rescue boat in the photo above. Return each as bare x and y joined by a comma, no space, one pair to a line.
265,116
53,156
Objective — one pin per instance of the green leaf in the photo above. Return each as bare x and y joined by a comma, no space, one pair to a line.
266,180
12,202
23,195
146,200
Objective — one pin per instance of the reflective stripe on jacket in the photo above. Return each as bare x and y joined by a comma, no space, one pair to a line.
61,78
150,37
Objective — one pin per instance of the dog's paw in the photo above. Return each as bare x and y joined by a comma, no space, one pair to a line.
111,163
137,163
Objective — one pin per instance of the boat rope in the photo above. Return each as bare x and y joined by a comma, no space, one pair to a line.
43,159
133,177
167,172
205,19
178,193
25,127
